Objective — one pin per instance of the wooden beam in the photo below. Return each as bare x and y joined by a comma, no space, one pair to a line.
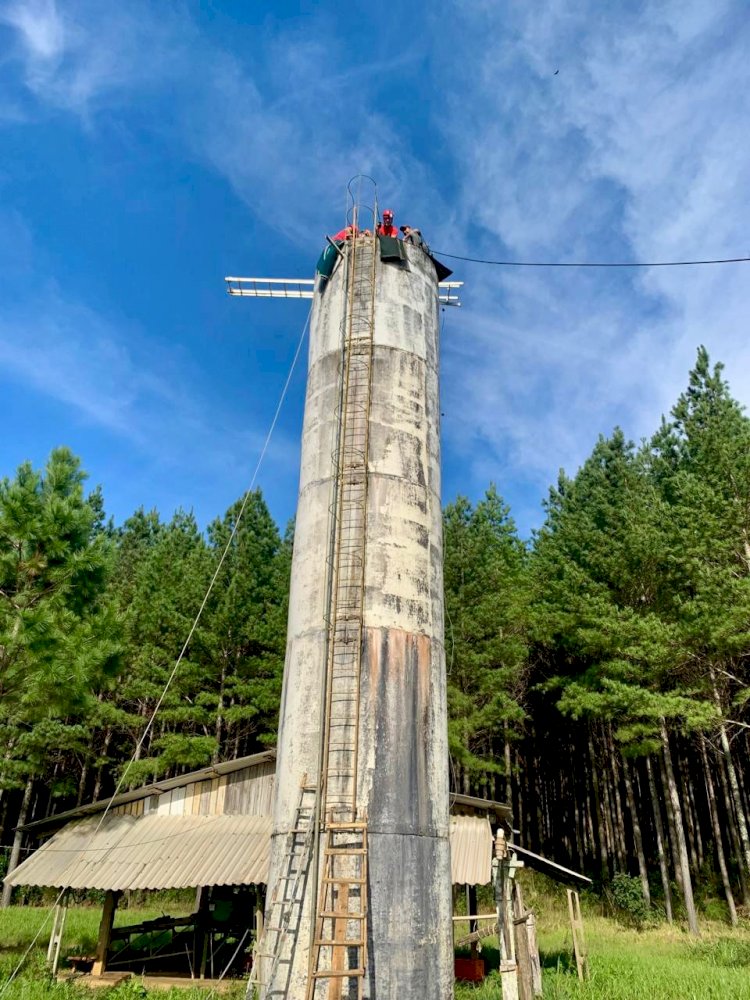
523,953
579,940
200,938
536,965
105,932
55,938
472,907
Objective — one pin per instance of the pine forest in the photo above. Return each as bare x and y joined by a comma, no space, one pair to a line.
598,674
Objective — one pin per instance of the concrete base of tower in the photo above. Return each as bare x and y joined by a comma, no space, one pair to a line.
410,927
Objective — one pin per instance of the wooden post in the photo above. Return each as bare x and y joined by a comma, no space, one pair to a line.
60,929
105,932
472,907
536,965
55,938
503,870
200,938
259,910
527,948
53,933
498,870
503,888
579,941
203,956
523,955
523,962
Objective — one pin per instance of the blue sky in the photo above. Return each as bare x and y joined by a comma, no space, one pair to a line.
148,149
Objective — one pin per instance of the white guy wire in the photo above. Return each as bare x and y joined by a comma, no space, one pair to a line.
179,659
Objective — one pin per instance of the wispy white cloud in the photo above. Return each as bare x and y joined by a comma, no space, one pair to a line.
286,127
82,56
113,377
288,148
40,26
563,132
68,352
634,149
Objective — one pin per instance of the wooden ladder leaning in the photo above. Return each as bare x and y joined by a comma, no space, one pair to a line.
339,953
285,908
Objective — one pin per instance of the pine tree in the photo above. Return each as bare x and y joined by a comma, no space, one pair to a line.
485,634
244,634
158,599
58,637
701,461
604,600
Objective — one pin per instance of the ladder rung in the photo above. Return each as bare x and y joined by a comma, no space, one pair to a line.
345,850
337,974
342,916
357,824
346,943
346,881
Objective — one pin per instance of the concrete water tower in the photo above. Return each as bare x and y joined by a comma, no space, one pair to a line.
359,893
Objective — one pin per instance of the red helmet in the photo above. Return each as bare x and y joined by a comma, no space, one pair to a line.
387,214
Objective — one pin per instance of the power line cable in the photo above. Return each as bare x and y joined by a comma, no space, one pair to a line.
591,263
185,645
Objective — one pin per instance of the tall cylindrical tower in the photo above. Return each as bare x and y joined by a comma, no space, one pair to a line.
363,714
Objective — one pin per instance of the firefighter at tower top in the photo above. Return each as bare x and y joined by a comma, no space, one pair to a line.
414,236
347,233
386,227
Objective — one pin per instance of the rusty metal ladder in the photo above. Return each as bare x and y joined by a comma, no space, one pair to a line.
284,911
339,945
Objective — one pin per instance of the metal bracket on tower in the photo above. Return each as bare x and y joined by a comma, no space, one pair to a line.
304,288
449,298
271,288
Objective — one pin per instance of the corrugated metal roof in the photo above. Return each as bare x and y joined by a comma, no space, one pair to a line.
170,852
471,850
501,810
152,852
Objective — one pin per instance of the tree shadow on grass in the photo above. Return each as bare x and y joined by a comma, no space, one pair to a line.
558,960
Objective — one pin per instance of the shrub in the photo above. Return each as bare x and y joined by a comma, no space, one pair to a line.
627,896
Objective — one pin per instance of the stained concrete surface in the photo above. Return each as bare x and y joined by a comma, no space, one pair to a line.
402,786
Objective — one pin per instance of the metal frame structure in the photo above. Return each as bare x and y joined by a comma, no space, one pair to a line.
304,288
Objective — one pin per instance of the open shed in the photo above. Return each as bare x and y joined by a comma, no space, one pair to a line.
208,830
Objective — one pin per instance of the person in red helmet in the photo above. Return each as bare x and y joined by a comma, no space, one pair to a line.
386,227
345,234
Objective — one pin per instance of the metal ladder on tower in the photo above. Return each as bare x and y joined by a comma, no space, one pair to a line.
339,944
285,909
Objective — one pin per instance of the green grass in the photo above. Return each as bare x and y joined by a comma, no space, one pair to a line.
660,963
18,927
657,964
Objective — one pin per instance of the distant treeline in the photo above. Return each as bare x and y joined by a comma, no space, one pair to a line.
598,676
